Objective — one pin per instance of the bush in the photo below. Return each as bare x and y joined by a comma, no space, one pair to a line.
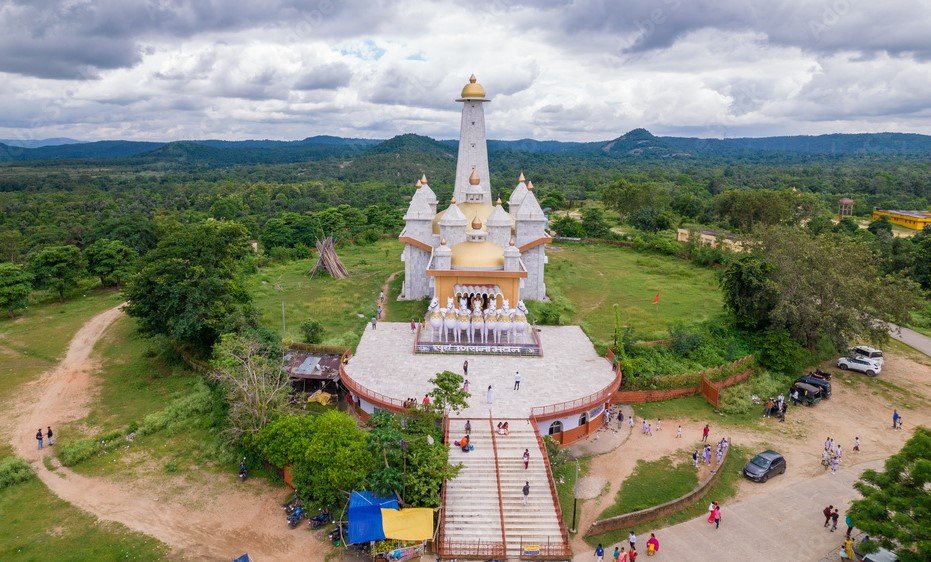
14,471
778,352
568,226
312,331
737,399
76,452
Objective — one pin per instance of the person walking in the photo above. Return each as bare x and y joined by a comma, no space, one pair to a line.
468,427
835,515
39,437
679,432
659,427
623,556
652,545
413,326
517,380
827,514
526,458
849,522
630,423
426,400
704,433
620,419
632,539
465,368
380,310
381,296
465,386
374,322
617,554
49,435
856,444
599,553
490,395
695,458
527,491
717,516
895,419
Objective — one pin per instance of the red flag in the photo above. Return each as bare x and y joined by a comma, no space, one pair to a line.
656,299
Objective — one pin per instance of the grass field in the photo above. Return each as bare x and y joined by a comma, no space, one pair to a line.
596,276
921,319
36,340
653,483
343,306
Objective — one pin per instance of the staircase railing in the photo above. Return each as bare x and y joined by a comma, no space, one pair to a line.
554,550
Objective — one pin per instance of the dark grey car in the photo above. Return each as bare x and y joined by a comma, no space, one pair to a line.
764,465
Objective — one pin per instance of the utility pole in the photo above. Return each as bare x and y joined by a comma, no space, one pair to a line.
575,499
282,320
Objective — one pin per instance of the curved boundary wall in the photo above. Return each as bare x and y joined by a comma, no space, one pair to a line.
642,396
634,518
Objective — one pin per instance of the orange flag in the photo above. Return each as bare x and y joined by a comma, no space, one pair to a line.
656,299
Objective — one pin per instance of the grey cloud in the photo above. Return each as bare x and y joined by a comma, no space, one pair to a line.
325,77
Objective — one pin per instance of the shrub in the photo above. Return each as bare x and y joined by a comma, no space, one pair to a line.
312,331
13,471
778,352
737,399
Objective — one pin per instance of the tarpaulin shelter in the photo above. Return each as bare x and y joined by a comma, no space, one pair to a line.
365,516
411,524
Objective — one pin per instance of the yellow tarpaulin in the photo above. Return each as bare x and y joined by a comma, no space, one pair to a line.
412,524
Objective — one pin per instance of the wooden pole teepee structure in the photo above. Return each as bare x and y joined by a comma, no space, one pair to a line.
328,261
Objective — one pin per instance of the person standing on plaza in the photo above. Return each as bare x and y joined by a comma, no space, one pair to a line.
704,433
623,555
658,426
468,427
652,545
517,380
490,395
849,522
39,437
895,419
856,444
413,326
526,458
374,322
620,419
630,423
465,386
679,432
49,435
617,554
526,491
465,368
632,555
827,514
632,539
695,458
835,515
717,516
599,553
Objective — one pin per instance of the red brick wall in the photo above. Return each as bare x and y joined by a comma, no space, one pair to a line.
581,432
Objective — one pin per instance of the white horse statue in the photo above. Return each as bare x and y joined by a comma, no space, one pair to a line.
463,322
435,317
478,322
504,322
520,320
491,322
449,319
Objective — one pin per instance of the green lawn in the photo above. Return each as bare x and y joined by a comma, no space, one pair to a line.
921,319
653,483
343,306
33,342
597,276
36,525
697,409
565,486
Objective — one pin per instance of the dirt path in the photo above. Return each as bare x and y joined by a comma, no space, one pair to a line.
233,520
385,306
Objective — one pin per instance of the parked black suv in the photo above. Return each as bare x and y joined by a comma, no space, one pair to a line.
824,385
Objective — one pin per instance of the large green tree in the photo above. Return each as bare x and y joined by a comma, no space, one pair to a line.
111,260
15,286
336,460
749,292
448,392
745,209
190,286
57,268
895,510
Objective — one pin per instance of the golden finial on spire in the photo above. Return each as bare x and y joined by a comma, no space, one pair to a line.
498,202
476,223
423,179
513,242
473,179
452,200
530,186
520,178
473,79
419,184
442,241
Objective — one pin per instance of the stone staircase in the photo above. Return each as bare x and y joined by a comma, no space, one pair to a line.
475,505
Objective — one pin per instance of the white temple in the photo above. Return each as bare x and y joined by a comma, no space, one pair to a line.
474,249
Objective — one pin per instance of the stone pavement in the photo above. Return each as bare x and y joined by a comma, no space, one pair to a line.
569,369
782,523
911,338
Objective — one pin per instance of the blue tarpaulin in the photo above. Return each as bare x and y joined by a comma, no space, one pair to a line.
365,523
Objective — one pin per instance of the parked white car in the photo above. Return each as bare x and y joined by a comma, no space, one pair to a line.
867,366
867,352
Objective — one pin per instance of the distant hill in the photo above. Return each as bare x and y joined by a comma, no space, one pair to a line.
409,154
36,143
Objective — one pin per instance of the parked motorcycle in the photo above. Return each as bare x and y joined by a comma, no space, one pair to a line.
321,519
337,534
292,505
295,518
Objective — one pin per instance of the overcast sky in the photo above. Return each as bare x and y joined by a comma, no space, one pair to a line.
555,69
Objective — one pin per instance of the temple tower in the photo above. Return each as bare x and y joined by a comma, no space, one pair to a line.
473,148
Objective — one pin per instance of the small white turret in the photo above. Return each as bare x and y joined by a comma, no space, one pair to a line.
499,225
424,192
531,222
511,257
453,223
517,196
442,256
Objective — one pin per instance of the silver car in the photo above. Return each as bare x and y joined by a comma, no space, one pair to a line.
863,365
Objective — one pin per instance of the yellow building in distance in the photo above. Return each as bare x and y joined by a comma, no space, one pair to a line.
915,220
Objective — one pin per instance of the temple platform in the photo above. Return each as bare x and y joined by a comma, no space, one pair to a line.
569,370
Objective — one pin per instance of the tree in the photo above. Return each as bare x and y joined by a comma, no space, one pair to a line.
11,243
920,258
284,440
896,506
565,225
256,386
447,392
190,286
111,260
594,223
277,233
745,209
749,292
336,460
626,197
847,226
650,219
57,268
312,331
15,286
880,225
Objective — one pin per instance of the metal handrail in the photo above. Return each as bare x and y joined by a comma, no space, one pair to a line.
579,403
549,473
494,446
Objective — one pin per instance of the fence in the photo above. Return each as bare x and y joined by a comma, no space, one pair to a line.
657,395
634,518
579,404
359,391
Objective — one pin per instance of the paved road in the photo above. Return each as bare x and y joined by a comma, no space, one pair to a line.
911,338
785,523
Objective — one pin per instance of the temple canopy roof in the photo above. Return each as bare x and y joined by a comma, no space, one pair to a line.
485,255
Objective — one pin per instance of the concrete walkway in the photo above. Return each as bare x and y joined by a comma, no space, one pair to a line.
911,338
784,523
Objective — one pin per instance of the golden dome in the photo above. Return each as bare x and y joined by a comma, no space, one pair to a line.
418,184
473,179
520,178
530,185
476,223
478,254
473,89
